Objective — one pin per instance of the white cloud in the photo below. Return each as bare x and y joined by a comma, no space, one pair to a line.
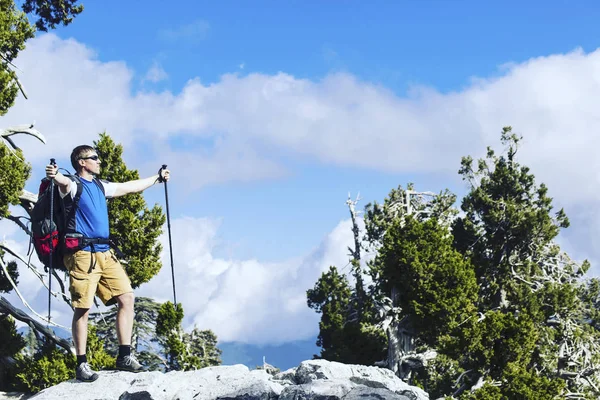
156,73
75,97
339,120
243,300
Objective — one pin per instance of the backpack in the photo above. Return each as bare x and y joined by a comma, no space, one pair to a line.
53,234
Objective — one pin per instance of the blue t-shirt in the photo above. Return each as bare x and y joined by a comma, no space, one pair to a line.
91,218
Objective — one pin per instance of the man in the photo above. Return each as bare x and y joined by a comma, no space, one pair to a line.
94,269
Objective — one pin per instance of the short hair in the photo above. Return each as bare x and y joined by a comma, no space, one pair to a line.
77,153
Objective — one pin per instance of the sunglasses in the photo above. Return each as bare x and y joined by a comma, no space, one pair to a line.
95,158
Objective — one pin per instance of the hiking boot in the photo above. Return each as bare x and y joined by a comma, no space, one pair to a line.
129,363
85,373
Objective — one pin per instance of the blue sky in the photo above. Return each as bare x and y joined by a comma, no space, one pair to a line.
269,113
437,43
393,44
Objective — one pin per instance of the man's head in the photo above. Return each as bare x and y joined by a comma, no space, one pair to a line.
85,157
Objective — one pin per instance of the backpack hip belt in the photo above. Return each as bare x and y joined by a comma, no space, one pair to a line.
76,241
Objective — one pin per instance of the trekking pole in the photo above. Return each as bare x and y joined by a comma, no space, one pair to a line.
52,162
170,245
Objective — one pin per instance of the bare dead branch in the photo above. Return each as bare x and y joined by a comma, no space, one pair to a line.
7,308
21,129
5,270
8,249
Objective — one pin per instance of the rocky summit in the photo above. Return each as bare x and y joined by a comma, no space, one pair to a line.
314,379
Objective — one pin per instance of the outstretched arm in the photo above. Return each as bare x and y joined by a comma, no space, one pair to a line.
139,185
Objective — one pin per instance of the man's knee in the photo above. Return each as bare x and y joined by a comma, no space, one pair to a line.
126,300
81,313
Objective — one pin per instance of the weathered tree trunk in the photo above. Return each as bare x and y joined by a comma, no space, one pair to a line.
355,253
400,341
394,352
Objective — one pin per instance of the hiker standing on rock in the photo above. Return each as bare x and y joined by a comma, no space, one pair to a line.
93,267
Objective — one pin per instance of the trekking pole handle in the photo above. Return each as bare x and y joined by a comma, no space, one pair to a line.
160,178
52,161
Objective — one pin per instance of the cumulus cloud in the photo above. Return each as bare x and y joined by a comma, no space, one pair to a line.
337,120
75,97
244,300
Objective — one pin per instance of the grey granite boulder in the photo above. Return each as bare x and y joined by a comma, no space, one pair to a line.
371,377
311,380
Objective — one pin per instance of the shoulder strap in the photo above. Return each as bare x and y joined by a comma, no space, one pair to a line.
79,190
70,217
97,181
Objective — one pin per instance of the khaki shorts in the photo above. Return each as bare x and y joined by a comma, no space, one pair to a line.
107,279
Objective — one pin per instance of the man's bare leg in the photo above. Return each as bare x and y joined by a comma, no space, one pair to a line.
125,361
125,318
80,329
83,372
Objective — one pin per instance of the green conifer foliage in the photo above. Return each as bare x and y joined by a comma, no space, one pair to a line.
505,312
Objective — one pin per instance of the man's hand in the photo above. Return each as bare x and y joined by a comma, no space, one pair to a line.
62,181
164,175
51,171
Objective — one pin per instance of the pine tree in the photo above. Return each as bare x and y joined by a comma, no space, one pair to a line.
341,337
528,288
422,286
203,348
330,297
15,31
483,305
170,334
184,351
10,346
436,287
49,366
44,365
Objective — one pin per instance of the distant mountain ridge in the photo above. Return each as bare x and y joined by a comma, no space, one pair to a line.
282,356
